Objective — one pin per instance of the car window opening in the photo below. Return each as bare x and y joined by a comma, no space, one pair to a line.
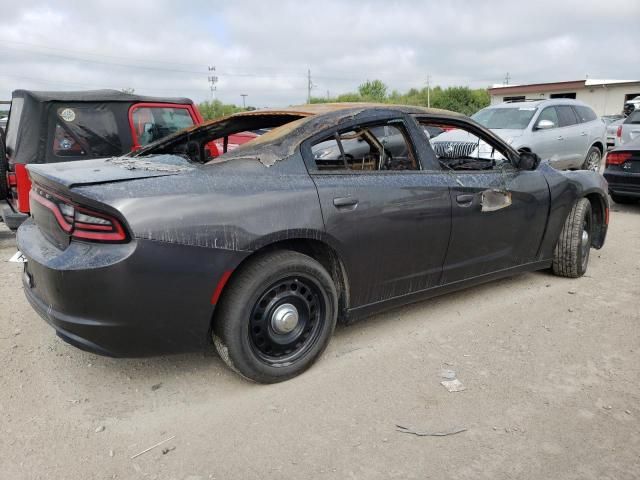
460,149
220,137
379,147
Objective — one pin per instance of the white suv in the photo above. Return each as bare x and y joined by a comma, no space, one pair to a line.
565,132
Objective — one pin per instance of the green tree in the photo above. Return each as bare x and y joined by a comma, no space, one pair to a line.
460,99
373,90
216,109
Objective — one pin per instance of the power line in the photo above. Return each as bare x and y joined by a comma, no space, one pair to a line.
172,70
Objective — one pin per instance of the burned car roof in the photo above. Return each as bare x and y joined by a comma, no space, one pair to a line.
291,125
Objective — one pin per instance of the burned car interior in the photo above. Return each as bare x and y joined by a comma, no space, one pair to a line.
198,145
378,146
461,148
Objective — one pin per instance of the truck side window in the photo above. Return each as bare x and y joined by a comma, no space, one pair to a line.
153,123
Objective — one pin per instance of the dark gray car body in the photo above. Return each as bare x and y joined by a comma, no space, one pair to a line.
400,236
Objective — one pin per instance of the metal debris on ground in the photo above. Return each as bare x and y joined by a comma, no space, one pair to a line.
18,258
454,385
152,447
445,433
167,450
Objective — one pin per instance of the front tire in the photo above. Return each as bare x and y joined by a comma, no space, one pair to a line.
276,316
571,255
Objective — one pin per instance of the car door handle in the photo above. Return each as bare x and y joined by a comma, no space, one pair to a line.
584,134
560,137
465,200
345,202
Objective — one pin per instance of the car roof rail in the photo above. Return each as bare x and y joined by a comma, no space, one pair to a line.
525,100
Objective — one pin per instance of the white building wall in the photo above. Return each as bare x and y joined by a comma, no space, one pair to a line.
604,99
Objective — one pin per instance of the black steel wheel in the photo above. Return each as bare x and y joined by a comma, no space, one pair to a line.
275,317
286,319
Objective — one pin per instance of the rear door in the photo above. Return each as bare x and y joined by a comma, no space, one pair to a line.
575,144
387,211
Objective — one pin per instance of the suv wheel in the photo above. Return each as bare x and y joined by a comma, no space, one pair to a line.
593,159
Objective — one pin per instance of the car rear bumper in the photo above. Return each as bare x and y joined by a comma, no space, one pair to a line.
124,300
622,183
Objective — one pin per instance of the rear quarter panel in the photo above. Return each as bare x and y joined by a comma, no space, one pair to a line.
239,205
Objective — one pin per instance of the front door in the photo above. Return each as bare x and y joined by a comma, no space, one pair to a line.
485,240
499,213
389,218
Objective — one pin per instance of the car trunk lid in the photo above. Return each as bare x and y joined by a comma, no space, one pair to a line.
107,170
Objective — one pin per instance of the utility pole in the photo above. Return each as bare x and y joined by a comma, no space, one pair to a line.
428,91
213,79
309,85
244,96
507,77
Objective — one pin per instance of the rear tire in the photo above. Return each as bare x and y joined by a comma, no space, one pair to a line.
622,199
571,255
276,316
593,160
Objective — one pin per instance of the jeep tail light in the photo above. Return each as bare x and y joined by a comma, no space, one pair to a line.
619,131
618,158
79,221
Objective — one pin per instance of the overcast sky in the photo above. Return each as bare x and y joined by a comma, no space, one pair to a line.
264,48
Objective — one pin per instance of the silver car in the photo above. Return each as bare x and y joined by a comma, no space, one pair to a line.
629,129
612,132
566,133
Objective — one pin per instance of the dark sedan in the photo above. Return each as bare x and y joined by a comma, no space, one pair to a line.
623,172
262,250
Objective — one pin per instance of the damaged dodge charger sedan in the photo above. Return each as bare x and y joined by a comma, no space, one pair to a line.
336,212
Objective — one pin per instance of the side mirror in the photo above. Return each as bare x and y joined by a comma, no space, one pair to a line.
545,125
528,161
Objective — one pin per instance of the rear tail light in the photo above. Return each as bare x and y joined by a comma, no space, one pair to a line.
618,158
619,131
78,221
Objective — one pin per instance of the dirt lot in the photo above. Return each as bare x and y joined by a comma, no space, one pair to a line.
551,368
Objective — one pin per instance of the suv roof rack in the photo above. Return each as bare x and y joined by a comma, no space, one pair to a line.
526,100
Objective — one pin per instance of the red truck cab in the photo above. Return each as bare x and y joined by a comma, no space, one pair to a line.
50,127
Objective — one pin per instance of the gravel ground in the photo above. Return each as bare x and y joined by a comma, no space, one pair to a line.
551,368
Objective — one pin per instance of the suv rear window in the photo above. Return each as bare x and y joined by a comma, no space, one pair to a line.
633,118
153,123
585,114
